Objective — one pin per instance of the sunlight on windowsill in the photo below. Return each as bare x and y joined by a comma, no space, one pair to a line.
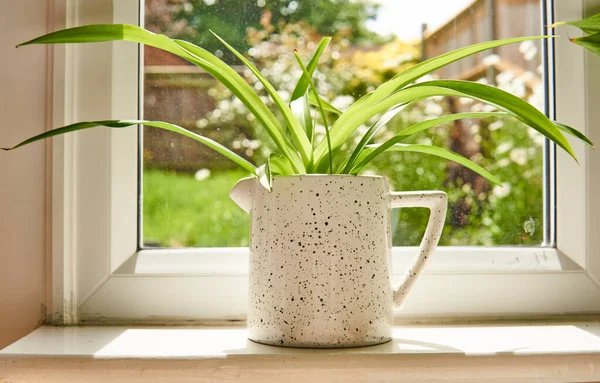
218,342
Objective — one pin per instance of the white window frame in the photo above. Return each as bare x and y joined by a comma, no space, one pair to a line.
100,276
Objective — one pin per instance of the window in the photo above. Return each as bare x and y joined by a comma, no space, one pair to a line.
370,44
100,274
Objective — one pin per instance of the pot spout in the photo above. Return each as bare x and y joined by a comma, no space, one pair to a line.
242,193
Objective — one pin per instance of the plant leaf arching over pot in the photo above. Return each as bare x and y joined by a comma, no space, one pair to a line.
298,151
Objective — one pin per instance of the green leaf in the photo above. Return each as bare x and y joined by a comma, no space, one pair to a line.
155,124
98,33
302,85
327,106
591,42
280,165
518,108
301,109
415,72
432,150
236,83
588,25
421,126
192,53
575,133
275,165
304,146
343,128
424,125
320,104
381,122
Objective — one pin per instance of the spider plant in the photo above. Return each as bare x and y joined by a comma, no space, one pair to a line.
590,26
298,150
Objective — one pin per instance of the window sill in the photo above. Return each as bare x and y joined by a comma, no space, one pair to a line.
568,351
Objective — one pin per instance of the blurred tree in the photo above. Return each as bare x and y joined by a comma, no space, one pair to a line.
192,20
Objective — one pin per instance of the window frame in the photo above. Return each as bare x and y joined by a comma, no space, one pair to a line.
99,275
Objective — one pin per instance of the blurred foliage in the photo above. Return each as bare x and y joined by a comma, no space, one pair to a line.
479,213
490,217
192,20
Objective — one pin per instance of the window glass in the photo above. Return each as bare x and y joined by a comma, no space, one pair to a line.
186,186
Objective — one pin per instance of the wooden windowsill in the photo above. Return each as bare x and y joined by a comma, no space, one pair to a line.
461,353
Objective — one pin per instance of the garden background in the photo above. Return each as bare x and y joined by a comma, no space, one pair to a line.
186,186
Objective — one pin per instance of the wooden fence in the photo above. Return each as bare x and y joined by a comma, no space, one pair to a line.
485,20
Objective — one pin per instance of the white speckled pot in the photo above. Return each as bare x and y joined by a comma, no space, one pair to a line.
320,258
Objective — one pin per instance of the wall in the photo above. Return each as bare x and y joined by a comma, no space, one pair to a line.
23,107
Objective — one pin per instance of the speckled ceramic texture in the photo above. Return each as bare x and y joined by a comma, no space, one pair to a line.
320,258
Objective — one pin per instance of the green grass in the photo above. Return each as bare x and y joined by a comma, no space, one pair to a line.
179,211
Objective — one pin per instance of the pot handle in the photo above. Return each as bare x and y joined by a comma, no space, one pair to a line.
437,203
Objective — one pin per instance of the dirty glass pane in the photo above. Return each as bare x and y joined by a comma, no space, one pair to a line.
185,186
